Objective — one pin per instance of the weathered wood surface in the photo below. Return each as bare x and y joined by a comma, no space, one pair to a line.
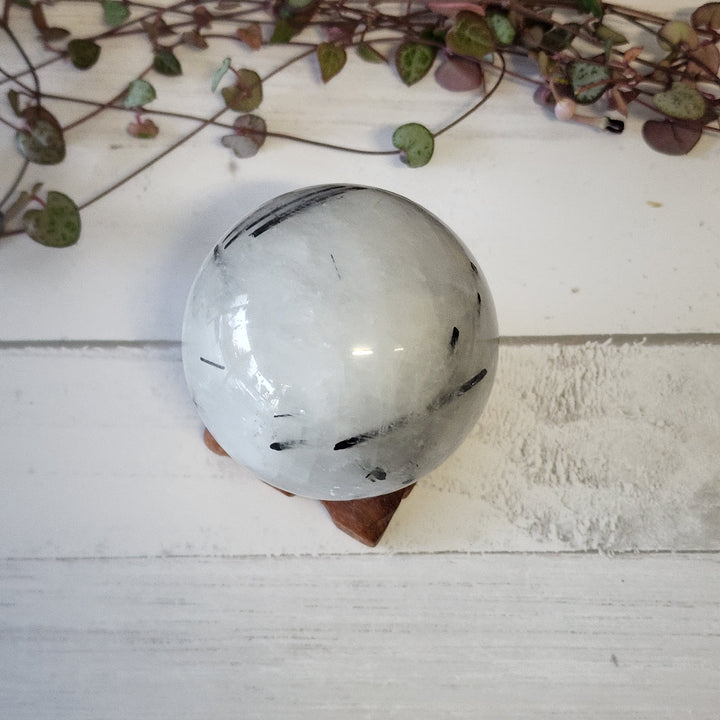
578,231
583,446
399,636
586,445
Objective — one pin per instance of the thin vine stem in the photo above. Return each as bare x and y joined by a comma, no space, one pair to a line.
16,183
21,50
153,160
348,23
479,103
102,106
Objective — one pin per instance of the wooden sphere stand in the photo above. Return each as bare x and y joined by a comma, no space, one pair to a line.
365,520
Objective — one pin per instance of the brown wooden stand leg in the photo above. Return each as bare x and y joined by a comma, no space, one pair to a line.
364,520
212,444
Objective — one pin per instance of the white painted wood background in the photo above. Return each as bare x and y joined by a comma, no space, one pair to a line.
563,563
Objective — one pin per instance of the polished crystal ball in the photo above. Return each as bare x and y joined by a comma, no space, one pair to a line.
340,342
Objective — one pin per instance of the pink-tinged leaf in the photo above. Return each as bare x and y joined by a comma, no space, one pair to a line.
250,35
38,17
193,38
246,94
250,133
47,33
705,62
143,129
341,32
252,126
156,28
243,147
671,138
202,17
707,16
459,75
543,96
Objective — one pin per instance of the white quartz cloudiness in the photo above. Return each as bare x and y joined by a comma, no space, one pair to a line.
340,342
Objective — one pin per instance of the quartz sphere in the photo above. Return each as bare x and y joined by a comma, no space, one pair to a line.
340,342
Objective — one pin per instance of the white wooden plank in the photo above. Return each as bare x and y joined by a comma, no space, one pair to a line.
578,231
439,636
611,446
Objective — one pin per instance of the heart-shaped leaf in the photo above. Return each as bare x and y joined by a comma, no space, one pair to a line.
250,133
247,92
202,17
705,61
681,101
341,32
707,16
413,60
165,62
83,53
332,59
140,92
250,35
194,38
416,144
676,33
41,141
502,28
588,80
143,129
114,12
55,225
459,74
671,138
470,36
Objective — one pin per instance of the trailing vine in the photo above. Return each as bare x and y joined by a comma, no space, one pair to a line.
593,62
